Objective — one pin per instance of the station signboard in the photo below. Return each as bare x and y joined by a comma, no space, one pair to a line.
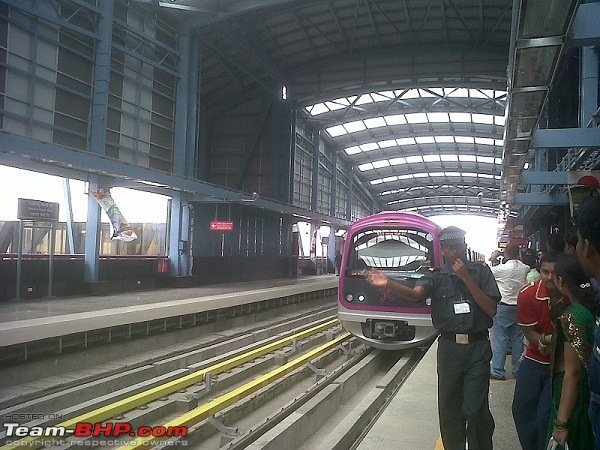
29,209
216,225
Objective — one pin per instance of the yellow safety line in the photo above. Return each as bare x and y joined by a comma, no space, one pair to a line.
214,406
439,445
129,403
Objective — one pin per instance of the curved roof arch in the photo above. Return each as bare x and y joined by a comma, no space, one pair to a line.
424,60
402,141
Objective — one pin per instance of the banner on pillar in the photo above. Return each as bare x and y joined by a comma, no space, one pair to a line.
121,228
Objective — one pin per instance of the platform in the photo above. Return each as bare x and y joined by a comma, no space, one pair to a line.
27,321
410,421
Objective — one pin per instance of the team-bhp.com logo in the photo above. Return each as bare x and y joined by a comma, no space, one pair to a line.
86,429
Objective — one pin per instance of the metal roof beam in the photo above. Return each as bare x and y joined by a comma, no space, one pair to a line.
585,31
566,138
88,165
541,199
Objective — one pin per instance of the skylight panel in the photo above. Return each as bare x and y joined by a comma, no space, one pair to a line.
431,158
460,92
449,157
485,175
369,146
444,139
483,118
464,139
317,109
334,105
381,163
499,142
416,118
460,117
365,167
469,174
411,93
500,120
390,179
437,174
453,174
425,140
404,177
364,99
423,93
406,141
485,159
375,122
387,143
484,141
377,181
336,130
397,161
382,97
353,127
352,150
439,91
397,119
421,175
414,159
467,158
483,93
438,117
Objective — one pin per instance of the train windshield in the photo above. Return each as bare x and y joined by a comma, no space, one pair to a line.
399,253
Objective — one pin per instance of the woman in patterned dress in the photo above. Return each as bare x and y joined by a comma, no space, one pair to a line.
571,343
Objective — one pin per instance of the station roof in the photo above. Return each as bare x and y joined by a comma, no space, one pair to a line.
411,93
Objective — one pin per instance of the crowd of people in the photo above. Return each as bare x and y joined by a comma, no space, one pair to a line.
557,387
543,312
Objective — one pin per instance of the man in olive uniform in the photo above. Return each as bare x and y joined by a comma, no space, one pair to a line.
464,296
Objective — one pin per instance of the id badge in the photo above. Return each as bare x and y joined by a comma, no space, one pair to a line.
461,307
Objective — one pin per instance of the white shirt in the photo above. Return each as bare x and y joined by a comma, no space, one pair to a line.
510,278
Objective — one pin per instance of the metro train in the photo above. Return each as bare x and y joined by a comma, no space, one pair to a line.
404,246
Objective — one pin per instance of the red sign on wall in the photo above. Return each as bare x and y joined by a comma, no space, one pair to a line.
221,226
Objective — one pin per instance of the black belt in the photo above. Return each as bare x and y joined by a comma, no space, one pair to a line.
507,304
464,338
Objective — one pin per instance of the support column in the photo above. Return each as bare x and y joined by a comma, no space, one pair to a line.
92,237
98,136
589,85
350,195
315,172
183,153
179,238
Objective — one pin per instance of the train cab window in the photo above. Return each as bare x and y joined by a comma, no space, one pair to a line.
399,253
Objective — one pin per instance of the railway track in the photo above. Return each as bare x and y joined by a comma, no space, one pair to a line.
236,393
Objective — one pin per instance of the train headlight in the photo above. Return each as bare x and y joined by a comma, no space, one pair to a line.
361,298
349,297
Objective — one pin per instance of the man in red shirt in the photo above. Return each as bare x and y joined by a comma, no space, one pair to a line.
532,399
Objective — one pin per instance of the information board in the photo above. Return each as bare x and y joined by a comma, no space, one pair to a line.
37,210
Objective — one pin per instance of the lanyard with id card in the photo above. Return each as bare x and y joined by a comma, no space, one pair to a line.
461,306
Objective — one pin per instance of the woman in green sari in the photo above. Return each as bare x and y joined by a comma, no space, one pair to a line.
572,342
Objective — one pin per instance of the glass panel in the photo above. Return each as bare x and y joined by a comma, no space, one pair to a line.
399,253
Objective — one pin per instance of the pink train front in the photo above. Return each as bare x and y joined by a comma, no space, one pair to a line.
404,246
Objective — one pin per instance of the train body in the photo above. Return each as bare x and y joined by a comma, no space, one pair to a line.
404,246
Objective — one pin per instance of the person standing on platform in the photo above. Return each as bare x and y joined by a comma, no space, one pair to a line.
510,277
464,297
587,221
338,262
532,398
529,257
572,343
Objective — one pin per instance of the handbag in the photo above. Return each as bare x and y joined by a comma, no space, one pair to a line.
553,445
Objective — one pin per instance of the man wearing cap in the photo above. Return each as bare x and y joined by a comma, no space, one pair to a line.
464,297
